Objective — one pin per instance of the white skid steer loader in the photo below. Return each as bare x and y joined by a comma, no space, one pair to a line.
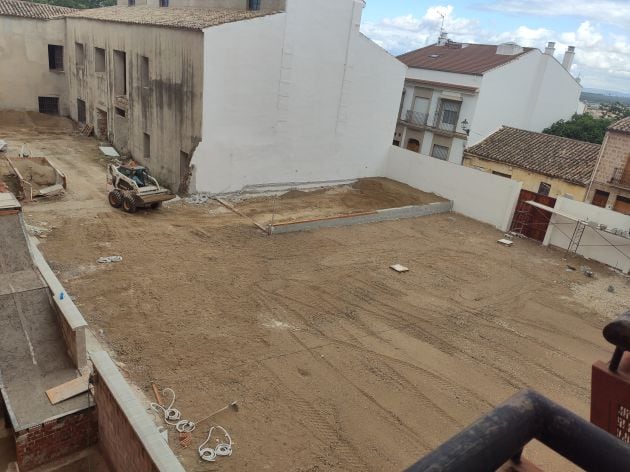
131,187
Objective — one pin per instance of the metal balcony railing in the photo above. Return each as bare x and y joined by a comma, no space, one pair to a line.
417,118
620,177
422,119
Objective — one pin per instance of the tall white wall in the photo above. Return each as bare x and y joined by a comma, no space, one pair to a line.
478,195
592,245
295,97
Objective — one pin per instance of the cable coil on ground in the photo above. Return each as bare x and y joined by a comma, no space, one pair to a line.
209,454
173,416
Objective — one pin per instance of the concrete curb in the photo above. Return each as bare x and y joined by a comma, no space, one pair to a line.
388,214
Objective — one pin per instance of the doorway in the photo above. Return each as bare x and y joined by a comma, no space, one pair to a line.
81,111
600,198
101,123
185,172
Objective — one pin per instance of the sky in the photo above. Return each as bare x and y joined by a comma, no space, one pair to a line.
599,30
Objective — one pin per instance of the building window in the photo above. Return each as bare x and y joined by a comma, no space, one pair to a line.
146,150
80,54
48,105
131,3
55,57
120,73
600,198
163,3
396,142
99,60
413,145
120,112
448,115
253,5
144,71
544,188
501,174
440,152
81,111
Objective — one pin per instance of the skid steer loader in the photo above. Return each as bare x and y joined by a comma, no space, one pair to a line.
131,187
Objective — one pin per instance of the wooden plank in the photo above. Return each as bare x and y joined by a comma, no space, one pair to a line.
68,390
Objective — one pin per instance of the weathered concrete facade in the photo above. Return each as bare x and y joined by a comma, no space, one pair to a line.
145,105
24,48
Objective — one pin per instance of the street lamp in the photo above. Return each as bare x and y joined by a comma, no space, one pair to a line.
466,127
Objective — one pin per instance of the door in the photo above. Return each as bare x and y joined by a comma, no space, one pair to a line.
81,111
530,221
622,205
600,198
420,112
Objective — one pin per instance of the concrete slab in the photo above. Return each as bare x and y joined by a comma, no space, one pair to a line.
8,202
33,353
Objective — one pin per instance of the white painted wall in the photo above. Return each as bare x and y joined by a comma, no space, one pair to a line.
592,245
479,195
531,93
295,97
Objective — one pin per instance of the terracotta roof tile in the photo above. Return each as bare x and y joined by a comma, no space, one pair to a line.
184,18
27,9
622,125
554,156
473,59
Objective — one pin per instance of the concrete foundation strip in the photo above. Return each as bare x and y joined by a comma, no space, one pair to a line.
240,213
388,214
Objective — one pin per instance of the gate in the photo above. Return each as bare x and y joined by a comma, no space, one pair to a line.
530,221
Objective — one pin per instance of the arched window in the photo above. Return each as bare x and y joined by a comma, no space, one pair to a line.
413,145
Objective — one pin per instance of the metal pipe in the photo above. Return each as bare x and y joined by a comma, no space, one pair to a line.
501,434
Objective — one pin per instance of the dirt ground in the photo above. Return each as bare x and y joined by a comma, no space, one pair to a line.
364,195
336,361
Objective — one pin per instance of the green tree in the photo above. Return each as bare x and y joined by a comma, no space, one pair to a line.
582,127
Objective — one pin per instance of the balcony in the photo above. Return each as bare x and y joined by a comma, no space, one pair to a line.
436,121
621,177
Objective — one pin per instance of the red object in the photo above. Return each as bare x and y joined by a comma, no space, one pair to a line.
610,398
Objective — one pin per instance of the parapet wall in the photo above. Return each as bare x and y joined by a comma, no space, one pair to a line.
129,440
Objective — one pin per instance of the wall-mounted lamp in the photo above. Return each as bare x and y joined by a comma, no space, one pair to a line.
466,127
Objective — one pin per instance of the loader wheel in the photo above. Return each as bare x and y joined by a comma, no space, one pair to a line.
115,198
129,203
155,205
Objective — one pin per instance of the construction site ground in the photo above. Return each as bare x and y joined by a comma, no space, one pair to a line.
337,362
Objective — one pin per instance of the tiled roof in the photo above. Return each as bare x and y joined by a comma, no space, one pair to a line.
473,59
27,9
554,156
622,125
184,18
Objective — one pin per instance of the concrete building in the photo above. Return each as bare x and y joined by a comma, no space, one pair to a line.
610,185
233,94
457,94
545,164
32,59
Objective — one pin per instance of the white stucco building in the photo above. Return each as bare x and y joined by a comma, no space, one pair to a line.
457,94
214,95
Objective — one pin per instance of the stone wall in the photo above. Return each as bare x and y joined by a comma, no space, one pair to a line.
615,153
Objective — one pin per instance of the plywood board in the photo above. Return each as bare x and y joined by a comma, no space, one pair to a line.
68,390
399,268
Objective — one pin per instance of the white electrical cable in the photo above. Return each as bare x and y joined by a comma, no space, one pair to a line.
209,454
173,416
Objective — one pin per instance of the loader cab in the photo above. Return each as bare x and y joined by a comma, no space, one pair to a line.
137,174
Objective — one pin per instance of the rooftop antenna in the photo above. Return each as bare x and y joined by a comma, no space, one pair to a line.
443,34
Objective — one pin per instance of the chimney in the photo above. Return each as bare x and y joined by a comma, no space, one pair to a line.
568,58
443,39
551,48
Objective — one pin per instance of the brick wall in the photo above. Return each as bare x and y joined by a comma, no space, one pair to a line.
615,153
119,443
56,438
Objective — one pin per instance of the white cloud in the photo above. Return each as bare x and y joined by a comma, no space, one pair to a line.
607,11
602,59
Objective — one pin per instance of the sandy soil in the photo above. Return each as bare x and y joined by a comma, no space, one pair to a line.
337,362
365,195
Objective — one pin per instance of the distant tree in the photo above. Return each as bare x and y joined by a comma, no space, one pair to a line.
80,4
616,110
582,127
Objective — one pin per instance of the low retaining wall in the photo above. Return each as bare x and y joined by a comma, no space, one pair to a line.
72,323
388,214
129,440
56,438
478,195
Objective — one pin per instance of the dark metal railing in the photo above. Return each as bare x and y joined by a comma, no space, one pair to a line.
417,118
620,177
501,435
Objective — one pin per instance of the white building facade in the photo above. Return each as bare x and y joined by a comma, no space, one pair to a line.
456,94
295,97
